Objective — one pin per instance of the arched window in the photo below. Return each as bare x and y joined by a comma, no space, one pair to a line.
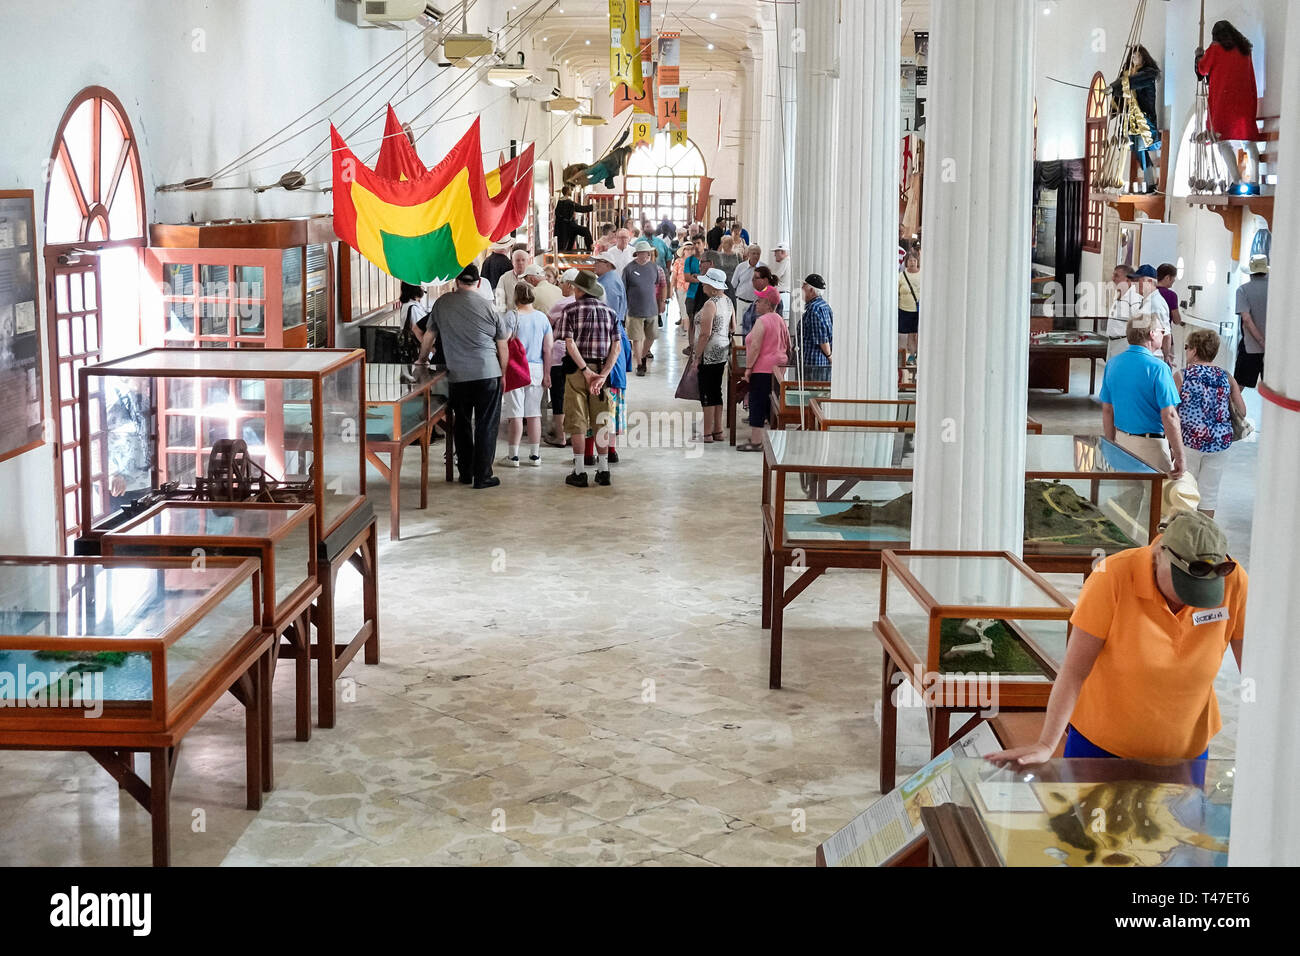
663,181
1095,146
95,193
94,216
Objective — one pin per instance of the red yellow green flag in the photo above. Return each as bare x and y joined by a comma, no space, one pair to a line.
429,226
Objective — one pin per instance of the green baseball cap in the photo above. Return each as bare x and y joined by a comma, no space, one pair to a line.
1198,558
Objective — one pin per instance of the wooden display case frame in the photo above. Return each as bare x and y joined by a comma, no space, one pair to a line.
901,659
286,620
434,410
244,670
824,419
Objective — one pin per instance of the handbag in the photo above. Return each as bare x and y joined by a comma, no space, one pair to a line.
688,389
517,372
1242,427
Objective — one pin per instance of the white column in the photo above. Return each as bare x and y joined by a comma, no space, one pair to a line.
747,160
863,276
1265,824
972,371
813,52
768,128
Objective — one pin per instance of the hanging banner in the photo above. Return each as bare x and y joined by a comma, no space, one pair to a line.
626,98
624,44
669,74
645,36
643,130
678,136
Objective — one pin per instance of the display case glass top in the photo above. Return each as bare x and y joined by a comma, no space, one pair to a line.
388,383
1176,814
185,519
800,450
241,363
122,600
127,641
1086,454
962,581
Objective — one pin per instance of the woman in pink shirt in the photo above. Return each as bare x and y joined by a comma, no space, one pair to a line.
766,347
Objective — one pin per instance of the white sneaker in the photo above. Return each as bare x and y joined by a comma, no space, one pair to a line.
511,462
535,461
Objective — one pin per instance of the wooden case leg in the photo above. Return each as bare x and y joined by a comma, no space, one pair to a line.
395,494
888,724
301,631
777,612
160,783
424,469
370,593
939,723
767,584
254,729
325,650
268,761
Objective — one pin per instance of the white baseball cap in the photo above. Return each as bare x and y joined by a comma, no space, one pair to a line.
568,275
781,247
533,269
606,257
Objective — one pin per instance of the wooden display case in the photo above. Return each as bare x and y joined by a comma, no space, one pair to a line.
218,425
970,631
1176,814
1085,498
243,284
132,653
281,536
401,410
1050,353
867,414
791,401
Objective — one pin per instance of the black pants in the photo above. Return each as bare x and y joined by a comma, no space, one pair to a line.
711,383
566,231
1250,365
477,408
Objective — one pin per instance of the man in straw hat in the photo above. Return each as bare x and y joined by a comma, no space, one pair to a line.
592,345
1147,637
1252,306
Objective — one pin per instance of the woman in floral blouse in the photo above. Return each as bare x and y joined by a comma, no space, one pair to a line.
1206,391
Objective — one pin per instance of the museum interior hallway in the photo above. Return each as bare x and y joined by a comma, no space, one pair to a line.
569,676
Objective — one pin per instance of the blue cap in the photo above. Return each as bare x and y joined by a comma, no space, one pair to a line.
1143,272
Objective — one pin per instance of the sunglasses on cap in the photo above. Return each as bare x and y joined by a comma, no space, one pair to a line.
1201,569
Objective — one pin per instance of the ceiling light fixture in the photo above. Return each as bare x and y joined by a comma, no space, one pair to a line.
710,46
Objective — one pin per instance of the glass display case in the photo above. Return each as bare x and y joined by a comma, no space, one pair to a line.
1176,814
118,644
281,536
280,425
242,283
401,410
791,398
1050,353
841,414
1085,497
974,632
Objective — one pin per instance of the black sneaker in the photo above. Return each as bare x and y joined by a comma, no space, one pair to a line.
579,479
589,460
640,369
467,479
489,483
613,456
602,478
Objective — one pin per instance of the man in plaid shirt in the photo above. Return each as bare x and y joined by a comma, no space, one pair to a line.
816,330
592,344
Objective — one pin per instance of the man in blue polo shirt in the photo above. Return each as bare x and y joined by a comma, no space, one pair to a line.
1139,401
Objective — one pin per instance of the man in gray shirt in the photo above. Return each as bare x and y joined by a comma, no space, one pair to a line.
647,291
1252,306
473,338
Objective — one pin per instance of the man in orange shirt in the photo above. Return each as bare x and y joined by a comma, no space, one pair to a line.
1147,638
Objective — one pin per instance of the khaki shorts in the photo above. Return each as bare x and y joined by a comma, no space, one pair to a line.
584,411
642,328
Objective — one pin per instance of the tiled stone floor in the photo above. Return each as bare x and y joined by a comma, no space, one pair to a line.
569,677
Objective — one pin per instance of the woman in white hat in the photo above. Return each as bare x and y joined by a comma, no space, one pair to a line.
714,320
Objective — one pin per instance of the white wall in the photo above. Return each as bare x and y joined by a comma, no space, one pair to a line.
203,81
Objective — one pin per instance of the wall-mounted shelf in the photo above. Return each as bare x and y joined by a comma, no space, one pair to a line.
1230,209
